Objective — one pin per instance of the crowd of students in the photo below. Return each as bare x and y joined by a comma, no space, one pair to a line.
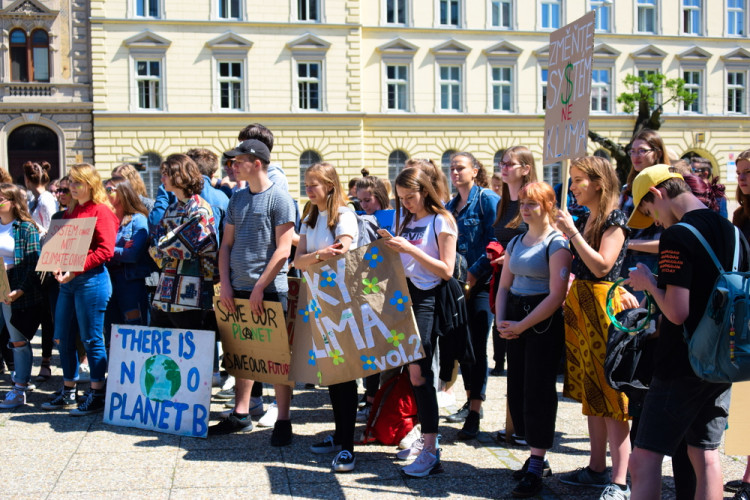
511,247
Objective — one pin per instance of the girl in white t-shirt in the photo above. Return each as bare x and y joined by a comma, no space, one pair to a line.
328,231
426,238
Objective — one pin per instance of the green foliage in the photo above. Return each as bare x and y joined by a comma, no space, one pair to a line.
650,88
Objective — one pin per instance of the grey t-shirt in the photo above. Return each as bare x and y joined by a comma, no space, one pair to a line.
530,266
255,217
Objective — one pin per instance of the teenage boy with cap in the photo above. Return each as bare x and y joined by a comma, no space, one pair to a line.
257,240
679,404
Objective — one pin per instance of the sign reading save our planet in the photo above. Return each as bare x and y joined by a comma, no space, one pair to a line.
160,379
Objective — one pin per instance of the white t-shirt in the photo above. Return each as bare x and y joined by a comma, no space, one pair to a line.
45,207
320,236
7,244
422,235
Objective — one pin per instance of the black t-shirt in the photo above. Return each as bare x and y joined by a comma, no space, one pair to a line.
504,234
615,218
684,262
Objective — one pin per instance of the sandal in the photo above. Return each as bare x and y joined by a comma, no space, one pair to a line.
44,372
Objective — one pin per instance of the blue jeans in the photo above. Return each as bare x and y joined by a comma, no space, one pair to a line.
128,305
87,295
21,355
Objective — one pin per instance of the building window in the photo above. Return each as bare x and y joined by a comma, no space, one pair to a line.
497,159
450,88
646,16
147,8
308,10
736,92
397,85
736,17
691,17
643,74
229,9
501,12
29,56
502,88
445,165
551,173
230,85
151,172
148,80
396,161
693,84
395,11
601,90
550,14
306,160
543,83
308,85
603,11
450,11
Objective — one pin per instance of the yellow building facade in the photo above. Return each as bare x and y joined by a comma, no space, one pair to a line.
370,83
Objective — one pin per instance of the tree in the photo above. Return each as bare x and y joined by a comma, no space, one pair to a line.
644,95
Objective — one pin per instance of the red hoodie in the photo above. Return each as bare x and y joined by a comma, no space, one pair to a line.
102,246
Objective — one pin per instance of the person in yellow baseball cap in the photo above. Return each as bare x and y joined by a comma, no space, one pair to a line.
646,183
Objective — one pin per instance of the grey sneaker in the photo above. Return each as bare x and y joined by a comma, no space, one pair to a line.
614,492
344,462
586,477
425,465
14,398
363,414
462,413
225,394
409,439
230,425
414,450
326,446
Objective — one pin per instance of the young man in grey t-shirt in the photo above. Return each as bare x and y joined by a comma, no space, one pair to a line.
258,235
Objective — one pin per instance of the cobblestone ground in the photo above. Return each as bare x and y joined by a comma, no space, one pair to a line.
53,455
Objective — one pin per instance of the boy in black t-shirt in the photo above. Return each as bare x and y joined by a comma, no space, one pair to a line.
679,404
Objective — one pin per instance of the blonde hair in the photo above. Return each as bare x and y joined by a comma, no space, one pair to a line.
601,173
85,173
129,172
326,174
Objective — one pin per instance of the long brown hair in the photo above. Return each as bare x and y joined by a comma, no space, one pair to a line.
439,180
13,194
127,197
655,142
601,173
326,174
416,179
37,174
376,188
522,155
742,215
130,173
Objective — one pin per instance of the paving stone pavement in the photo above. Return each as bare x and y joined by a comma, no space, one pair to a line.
54,455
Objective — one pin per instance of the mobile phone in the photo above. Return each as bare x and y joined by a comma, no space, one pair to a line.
384,233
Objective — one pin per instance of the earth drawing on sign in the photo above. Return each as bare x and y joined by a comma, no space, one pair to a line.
160,378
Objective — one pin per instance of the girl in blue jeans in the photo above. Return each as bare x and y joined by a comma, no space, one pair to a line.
87,293
19,249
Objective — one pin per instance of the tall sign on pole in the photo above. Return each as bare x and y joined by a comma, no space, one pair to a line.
566,121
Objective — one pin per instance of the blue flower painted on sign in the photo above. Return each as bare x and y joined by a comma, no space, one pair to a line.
314,308
311,359
305,314
374,257
329,279
399,300
368,362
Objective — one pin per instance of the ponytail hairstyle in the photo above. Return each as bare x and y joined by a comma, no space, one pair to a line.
601,173
326,174
36,174
13,194
416,179
742,215
523,156
481,180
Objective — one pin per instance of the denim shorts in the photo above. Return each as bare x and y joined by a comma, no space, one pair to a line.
683,407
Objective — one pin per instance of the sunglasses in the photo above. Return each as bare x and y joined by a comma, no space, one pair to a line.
110,189
63,191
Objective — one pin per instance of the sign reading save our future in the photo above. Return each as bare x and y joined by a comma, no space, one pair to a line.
160,379
66,245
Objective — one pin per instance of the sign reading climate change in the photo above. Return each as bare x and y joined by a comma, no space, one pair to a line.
66,245
160,379
354,318
566,123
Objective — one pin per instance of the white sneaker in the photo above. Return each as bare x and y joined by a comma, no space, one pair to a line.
409,439
217,380
425,465
269,419
228,383
363,414
411,452
256,408
84,373
14,398
446,399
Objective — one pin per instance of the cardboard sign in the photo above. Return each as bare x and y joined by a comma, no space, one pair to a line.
66,244
737,440
303,366
357,315
255,347
160,379
4,283
566,122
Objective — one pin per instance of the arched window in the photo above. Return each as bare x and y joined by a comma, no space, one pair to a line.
497,159
307,159
151,172
396,162
29,56
445,164
603,153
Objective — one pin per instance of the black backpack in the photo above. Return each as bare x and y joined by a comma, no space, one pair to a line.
629,362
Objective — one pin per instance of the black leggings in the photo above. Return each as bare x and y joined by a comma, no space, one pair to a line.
344,404
423,305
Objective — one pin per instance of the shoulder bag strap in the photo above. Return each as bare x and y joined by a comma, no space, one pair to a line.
705,244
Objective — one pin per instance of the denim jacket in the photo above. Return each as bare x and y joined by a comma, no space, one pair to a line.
475,230
133,261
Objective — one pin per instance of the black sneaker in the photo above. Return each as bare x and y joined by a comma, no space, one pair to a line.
586,477
520,473
230,425
282,433
461,414
497,371
471,427
529,486
62,400
501,437
94,403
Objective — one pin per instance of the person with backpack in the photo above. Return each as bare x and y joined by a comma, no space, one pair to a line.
329,230
425,238
679,404
533,284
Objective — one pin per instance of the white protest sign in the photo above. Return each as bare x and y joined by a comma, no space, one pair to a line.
66,245
160,379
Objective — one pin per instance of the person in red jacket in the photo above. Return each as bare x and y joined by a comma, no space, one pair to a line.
87,294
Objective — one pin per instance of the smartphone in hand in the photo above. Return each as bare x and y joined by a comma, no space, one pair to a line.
385,234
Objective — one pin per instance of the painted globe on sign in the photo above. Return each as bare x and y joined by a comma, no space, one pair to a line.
160,378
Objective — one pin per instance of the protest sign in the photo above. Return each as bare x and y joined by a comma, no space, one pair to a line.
66,244
566,122
160,379
4,283
357,313
303,368
737,440
255,347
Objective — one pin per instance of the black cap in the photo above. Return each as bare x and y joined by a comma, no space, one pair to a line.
251,147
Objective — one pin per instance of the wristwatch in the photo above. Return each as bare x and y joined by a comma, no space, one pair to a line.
317,256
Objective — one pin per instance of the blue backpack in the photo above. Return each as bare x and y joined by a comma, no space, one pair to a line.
719,348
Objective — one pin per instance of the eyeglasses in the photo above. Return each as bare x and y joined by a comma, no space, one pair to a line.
110,189
63,191
508,165
640,152
700,170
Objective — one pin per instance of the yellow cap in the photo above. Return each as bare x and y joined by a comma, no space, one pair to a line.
649,177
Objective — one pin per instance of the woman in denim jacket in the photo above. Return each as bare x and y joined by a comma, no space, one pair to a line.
475,210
